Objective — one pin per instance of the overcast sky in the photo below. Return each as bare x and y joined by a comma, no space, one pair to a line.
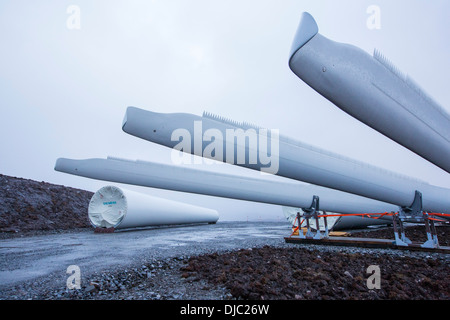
64,90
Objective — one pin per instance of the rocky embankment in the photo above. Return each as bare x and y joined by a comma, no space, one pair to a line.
292,273
28,205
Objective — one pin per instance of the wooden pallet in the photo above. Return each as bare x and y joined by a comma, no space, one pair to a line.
364,242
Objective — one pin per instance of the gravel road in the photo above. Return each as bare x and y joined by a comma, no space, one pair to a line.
35,266
149,263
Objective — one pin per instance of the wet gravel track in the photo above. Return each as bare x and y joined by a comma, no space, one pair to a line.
228,260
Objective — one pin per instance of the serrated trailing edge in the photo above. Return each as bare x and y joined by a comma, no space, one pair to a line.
409,82
243,125
388,64
297,143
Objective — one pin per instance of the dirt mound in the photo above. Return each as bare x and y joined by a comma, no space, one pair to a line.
279,274
27,205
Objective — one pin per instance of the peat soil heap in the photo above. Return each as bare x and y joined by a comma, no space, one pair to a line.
28,205
294,273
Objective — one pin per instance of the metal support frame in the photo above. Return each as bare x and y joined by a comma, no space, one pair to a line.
308,213
432,239
399,231
414,213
